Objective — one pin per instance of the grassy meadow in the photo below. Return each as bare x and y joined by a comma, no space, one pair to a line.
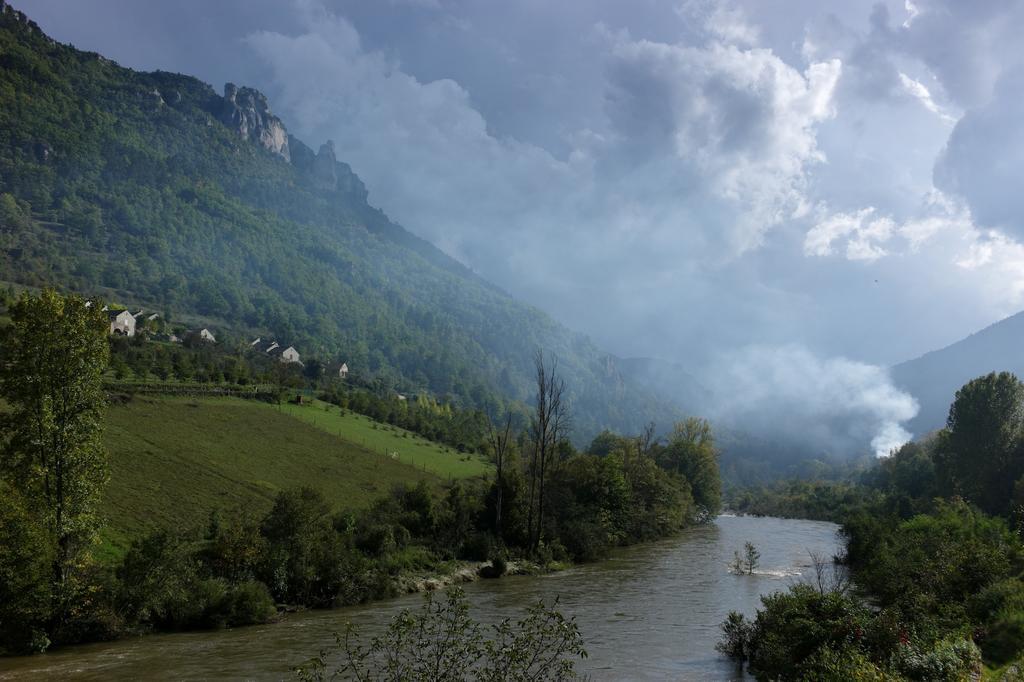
173,460
392,441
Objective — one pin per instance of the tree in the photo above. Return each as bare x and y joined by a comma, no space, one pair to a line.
737,563
500,441
549,425
751,558
735,636
301,564
981,456
691,453
56,352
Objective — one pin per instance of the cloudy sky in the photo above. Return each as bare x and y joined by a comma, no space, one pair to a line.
770,183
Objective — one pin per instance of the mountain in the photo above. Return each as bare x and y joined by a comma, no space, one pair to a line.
669,381
935,377
152,189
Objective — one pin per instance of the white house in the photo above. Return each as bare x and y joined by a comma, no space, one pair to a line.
122,323
289,354
203,334
343,371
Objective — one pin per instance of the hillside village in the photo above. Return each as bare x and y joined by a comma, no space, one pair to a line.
150,325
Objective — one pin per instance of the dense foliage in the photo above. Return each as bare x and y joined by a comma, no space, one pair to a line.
302,552
933,540
129,186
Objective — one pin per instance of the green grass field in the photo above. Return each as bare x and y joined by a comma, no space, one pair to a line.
392,441
174,460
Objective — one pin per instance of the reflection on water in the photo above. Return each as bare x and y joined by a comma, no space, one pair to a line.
648,613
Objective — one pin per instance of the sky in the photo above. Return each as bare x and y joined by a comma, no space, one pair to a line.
790,193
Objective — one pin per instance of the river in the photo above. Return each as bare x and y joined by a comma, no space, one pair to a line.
650,612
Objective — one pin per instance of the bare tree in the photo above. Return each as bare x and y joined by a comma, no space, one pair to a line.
499,445
643,444
550,423
644,441
829,576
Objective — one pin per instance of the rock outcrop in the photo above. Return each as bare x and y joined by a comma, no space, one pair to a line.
325,167
246,111
302,155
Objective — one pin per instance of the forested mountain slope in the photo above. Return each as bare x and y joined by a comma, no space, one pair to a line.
935,377
154,190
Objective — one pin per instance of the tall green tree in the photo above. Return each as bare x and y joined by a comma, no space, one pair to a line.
981,455
691,452
54,356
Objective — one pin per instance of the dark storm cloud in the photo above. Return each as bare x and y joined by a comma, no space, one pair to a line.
984,158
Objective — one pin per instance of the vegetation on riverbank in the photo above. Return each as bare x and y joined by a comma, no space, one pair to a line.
933,541
231,548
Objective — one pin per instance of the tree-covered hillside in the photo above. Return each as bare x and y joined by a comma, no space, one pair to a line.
153,190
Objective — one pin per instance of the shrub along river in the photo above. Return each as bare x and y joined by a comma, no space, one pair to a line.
651,612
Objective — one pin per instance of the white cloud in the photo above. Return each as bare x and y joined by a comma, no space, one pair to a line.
912,11
863,232
728,23
918,90
999,261
943,234
743,119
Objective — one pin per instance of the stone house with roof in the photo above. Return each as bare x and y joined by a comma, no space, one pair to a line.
122,323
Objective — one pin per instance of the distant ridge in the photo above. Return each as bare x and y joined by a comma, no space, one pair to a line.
935,377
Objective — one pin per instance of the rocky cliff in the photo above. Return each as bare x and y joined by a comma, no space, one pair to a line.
324,169
246,111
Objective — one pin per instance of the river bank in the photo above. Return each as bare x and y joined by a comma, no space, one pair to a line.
649,612
468,572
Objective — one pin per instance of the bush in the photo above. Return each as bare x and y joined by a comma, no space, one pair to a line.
996,598
1004,640
792,626
441,642
828,663
250,603
158,580
377,539
92,616
496,569
411,558
952,660
585,540
477,547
